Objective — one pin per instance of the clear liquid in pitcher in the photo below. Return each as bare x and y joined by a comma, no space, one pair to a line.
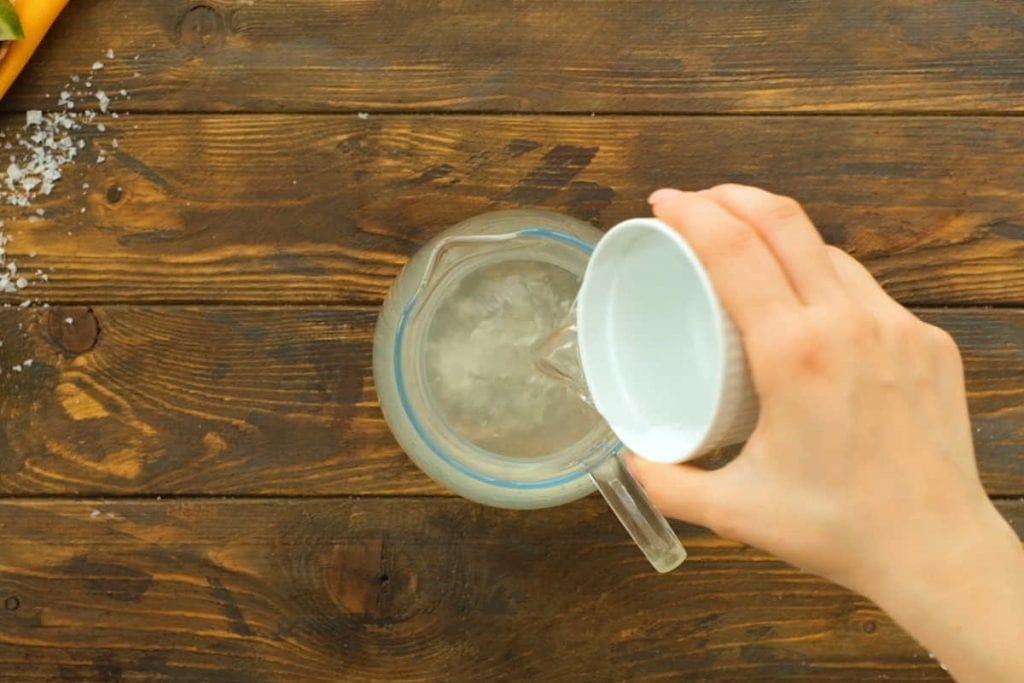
480,360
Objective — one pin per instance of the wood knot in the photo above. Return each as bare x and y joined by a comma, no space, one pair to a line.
12,603
869,626
201,27
114,194
74,329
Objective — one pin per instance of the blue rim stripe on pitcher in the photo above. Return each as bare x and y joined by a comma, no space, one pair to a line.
418,426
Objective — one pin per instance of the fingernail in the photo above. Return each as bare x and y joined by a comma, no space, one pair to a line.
663,194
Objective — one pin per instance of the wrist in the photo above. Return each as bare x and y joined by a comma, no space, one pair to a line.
964,601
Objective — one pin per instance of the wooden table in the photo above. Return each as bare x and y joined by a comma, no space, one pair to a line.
196,480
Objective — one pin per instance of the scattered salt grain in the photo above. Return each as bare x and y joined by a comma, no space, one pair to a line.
28,363
36,157
363,115
95,513
69,321
16,368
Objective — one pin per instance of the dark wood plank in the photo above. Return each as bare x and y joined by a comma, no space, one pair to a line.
598,55
411,589
173,400
327,209
264,400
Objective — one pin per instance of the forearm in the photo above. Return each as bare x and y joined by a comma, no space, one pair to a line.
967,606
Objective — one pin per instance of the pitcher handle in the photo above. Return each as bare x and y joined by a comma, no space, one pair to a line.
648,527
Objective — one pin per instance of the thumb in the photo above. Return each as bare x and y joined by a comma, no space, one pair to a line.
683,492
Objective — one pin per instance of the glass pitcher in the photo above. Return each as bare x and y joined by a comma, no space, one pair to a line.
472,393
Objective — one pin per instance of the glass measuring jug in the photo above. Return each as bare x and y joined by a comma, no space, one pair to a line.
455,368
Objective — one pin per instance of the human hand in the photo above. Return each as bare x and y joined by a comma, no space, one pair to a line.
861,468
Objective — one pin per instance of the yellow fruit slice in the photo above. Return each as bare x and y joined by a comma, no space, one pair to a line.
36,18
10,25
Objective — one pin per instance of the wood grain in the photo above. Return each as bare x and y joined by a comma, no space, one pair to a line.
280,400
593,56
411,590
315,209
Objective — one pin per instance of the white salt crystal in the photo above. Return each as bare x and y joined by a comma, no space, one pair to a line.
16,368
363,115
96,66
103,100
28,363
21,283
110,53
33,117
69,321
101,128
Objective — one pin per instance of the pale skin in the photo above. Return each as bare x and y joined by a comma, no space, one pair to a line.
862,467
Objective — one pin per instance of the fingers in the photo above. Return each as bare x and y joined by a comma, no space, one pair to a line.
682,492
746,275
857,281
789,233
